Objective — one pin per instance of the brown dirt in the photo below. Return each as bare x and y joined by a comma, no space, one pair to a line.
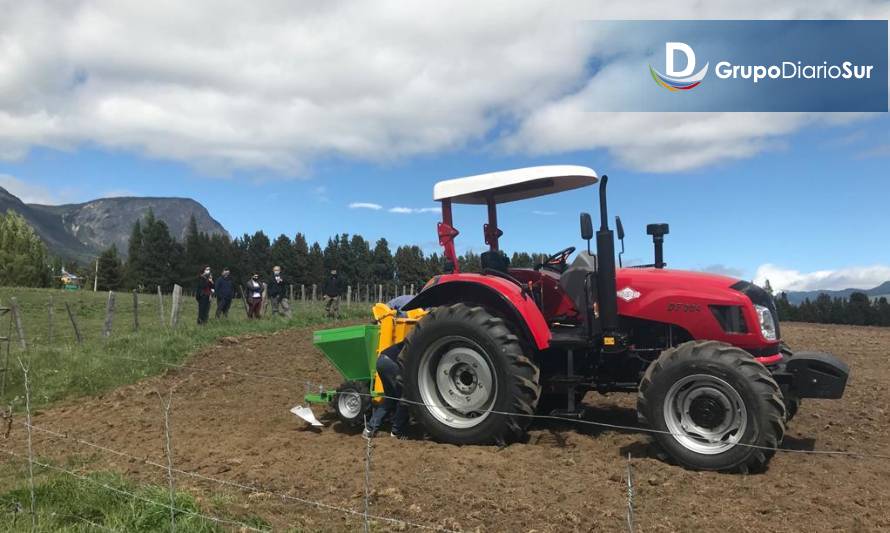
565,478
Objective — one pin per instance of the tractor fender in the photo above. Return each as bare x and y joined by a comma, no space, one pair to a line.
496,294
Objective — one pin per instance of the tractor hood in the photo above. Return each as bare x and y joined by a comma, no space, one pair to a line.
675,279
692,300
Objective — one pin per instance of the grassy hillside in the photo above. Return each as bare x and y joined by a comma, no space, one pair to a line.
61,368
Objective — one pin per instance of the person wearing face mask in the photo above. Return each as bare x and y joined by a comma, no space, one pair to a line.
203,293
277,292
254,296
225,291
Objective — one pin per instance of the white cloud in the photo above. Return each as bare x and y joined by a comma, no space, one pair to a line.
365,205
36,194
854,277
275,85
414,210
543,213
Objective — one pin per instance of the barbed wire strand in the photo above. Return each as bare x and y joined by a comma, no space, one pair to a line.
247,488
607,425
138,497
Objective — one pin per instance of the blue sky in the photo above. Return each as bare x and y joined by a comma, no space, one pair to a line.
313,107
817,200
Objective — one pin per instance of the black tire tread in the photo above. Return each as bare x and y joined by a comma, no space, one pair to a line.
525,387
760,378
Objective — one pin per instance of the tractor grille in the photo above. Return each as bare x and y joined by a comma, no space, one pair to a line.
730,318
760,297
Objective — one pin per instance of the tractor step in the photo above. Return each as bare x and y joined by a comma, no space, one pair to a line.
569,337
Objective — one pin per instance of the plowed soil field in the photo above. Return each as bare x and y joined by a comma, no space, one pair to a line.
236,427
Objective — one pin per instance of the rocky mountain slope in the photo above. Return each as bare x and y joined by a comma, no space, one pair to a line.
81,231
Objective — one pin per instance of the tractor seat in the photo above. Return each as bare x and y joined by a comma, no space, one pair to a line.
573,280
495,260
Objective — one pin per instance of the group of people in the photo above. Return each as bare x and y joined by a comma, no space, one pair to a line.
275,288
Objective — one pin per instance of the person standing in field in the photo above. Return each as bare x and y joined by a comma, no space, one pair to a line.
254,296
331,292
225,291
203,293
277,292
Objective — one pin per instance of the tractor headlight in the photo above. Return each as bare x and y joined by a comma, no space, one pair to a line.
767,324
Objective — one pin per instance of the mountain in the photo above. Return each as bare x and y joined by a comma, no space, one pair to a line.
796,297
82,231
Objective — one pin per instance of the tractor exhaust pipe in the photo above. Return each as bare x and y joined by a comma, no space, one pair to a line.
605,249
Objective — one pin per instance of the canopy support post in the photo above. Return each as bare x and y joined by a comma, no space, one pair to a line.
447,233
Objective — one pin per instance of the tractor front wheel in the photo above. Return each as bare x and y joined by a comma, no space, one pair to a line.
467,378
712,407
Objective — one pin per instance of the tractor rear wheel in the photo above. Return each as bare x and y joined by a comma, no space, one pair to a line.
467,378
713,407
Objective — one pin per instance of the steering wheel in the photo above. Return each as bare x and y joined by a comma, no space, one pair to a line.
557,262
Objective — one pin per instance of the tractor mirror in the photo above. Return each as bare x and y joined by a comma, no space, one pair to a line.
586,227
619,228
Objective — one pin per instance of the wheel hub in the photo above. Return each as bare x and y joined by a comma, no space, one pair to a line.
707,412
457,382
464,379
349,404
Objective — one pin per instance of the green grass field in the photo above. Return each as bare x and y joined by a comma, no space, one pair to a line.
62,369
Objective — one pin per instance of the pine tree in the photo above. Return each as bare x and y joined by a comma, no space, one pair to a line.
315,269
161,256
135,269
410,266
258,254
283,254
382,265
110,272
300,275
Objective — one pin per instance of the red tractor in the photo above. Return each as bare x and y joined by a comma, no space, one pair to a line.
703,352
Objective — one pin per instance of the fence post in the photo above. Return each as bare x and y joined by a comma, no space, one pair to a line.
313,292
50,315
77,334
379,292
5,341
174,307
302,293
412,290
630,497
168,447
25,372
135,310
348,295
109,315
17,320
161,306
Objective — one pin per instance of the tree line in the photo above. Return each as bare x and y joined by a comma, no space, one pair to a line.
155,258
857,310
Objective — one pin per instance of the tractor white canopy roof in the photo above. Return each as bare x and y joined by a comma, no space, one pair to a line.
512,185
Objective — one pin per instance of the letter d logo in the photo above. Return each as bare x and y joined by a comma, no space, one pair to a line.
675,80
670,50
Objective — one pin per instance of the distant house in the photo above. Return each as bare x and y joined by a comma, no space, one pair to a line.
70,281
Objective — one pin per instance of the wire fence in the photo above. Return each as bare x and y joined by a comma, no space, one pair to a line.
364,514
